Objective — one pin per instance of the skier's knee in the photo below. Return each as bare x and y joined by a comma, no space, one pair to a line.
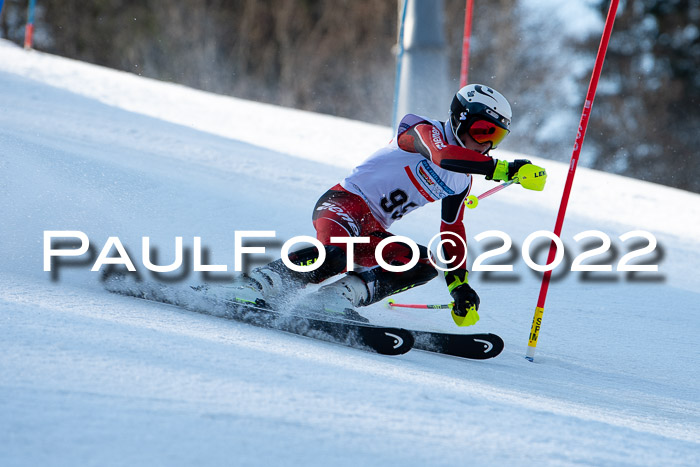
382,283
334,263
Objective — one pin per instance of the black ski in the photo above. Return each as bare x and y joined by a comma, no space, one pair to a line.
380,339
472,346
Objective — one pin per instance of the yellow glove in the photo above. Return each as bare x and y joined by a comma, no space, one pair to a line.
466,300
505,171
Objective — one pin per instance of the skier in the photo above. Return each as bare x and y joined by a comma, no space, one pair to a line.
426,161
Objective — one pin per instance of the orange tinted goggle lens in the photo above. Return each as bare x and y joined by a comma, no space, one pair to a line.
484,131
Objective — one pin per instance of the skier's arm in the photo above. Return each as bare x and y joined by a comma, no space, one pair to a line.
425,139
466,300
452,226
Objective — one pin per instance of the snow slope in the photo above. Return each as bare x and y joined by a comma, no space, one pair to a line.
89,378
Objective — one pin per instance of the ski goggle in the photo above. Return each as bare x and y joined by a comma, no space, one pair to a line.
484,131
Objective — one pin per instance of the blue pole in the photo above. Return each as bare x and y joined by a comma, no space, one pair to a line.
399,61
32,4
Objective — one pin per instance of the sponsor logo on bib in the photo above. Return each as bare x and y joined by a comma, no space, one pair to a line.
431,181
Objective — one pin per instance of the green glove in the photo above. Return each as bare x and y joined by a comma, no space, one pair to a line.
505,171
466,300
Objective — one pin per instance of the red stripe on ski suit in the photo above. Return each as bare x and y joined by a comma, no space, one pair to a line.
417,184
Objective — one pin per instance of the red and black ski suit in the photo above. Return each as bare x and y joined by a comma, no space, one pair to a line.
422,164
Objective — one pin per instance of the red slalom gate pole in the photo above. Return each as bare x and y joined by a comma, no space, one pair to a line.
29,29
588,104
464,72
399,64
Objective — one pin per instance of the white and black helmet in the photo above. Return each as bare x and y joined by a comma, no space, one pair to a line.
479,103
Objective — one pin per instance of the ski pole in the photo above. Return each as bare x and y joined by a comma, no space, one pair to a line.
459,320
393,304
473,201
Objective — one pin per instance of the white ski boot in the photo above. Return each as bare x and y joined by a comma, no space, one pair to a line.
262,287
339,299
